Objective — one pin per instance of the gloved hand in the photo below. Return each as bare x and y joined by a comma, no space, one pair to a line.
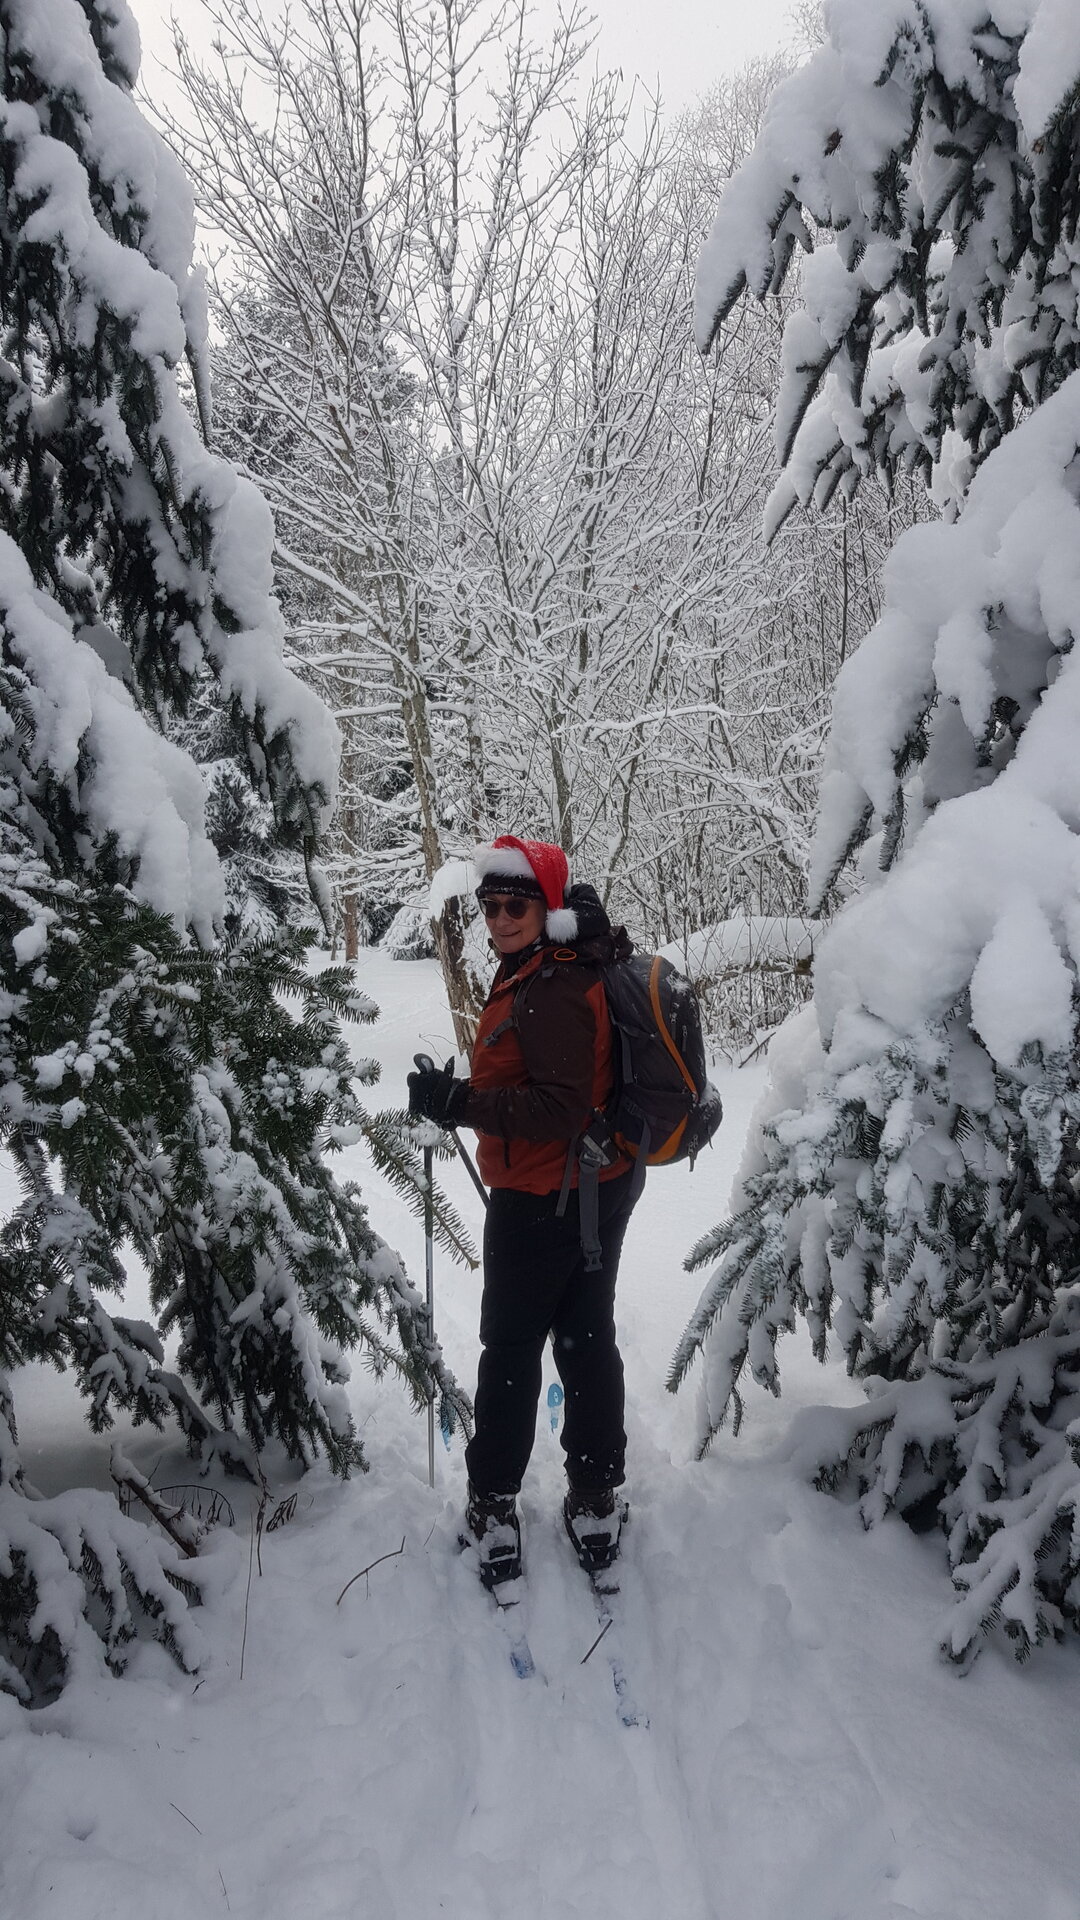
434,1094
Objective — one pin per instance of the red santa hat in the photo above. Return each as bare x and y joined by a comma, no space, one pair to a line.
531,867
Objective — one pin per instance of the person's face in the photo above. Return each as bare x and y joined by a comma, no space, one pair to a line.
510,929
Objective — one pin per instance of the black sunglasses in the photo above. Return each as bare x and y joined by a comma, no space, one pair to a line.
516,907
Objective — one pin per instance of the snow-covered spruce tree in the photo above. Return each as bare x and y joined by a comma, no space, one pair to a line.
156,1089
915,1183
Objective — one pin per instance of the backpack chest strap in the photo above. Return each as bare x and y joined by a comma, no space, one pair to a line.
503,1027
511,1019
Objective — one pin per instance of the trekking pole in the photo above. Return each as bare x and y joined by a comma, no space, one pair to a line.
427,1065
423,1062
429,1274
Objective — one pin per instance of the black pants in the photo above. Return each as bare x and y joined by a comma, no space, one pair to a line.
535,1283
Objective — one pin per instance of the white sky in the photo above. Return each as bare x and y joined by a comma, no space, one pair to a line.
685,44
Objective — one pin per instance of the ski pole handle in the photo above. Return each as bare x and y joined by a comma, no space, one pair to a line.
424,1063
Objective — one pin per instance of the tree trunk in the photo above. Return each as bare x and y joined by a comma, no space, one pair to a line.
352,937
463,990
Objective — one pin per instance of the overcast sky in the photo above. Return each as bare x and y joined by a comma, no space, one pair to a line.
685,44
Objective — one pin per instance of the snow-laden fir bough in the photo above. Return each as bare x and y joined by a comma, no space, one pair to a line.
914,1183
159,1088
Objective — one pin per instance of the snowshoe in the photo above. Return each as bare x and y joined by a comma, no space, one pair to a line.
594,1522
493,1531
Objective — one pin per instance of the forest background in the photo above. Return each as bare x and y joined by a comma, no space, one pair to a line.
519,518
548,564
517,549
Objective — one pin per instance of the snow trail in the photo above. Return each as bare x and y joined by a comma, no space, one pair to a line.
807,1757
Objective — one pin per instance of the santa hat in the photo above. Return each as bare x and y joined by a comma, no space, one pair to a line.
531,867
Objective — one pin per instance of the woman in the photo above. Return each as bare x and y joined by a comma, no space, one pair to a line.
541,1069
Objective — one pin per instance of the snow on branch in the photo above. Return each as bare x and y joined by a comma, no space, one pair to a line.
921,134
97,192
911,1185
130,786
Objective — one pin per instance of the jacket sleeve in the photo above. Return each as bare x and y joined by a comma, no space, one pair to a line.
556,1030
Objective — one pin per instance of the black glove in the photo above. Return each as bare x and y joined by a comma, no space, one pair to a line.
434,1094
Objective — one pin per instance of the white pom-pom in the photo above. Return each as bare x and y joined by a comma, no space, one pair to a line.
562,924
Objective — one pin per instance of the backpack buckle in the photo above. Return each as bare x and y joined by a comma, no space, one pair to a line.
597,1145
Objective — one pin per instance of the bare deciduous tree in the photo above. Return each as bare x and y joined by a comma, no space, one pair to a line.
519,517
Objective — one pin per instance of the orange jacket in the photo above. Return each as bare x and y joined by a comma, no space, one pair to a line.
540,1066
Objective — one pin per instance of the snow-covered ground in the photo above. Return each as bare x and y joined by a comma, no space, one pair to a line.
807,1755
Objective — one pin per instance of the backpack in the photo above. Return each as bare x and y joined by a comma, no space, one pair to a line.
663,1108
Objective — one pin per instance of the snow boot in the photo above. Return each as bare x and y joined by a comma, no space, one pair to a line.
594,1522
493,1530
